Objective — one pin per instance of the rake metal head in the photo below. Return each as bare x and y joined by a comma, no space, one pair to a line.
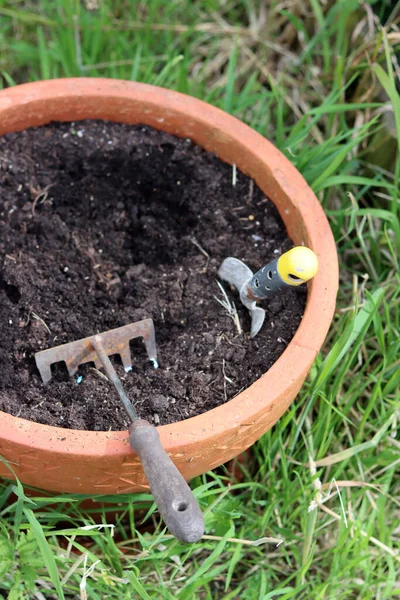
114,341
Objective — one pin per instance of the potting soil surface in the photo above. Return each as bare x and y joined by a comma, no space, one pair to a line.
104,224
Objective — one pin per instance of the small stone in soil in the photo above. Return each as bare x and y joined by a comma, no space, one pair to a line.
158,402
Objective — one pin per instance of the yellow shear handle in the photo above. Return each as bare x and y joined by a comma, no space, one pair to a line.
297,266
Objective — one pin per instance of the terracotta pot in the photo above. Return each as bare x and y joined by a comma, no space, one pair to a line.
85,462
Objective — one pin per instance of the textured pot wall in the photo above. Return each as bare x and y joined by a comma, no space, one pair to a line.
102,462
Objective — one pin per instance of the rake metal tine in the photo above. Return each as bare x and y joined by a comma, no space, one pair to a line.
43,368
149,339
114,341
126,358
72,370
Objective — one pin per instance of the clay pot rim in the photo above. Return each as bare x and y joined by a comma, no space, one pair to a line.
311,333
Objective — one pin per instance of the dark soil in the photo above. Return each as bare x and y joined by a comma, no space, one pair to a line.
104,224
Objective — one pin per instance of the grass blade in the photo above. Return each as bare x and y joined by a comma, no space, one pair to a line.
230,86
353,334
137,586
46,552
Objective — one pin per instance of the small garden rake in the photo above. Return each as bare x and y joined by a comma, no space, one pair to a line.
174,498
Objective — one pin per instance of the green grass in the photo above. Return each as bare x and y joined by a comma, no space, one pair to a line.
316,515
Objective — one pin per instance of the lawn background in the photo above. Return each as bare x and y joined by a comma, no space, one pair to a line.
316,511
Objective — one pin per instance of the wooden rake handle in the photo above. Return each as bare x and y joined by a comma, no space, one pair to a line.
174,498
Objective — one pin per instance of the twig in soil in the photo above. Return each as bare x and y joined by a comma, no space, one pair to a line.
251,190
234,175
226,379
41,195
196,243
229,307
38,405
109,278
222,336
238,392
37,318
98,373
223,373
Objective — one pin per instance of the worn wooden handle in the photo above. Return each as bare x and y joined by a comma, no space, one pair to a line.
174,498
